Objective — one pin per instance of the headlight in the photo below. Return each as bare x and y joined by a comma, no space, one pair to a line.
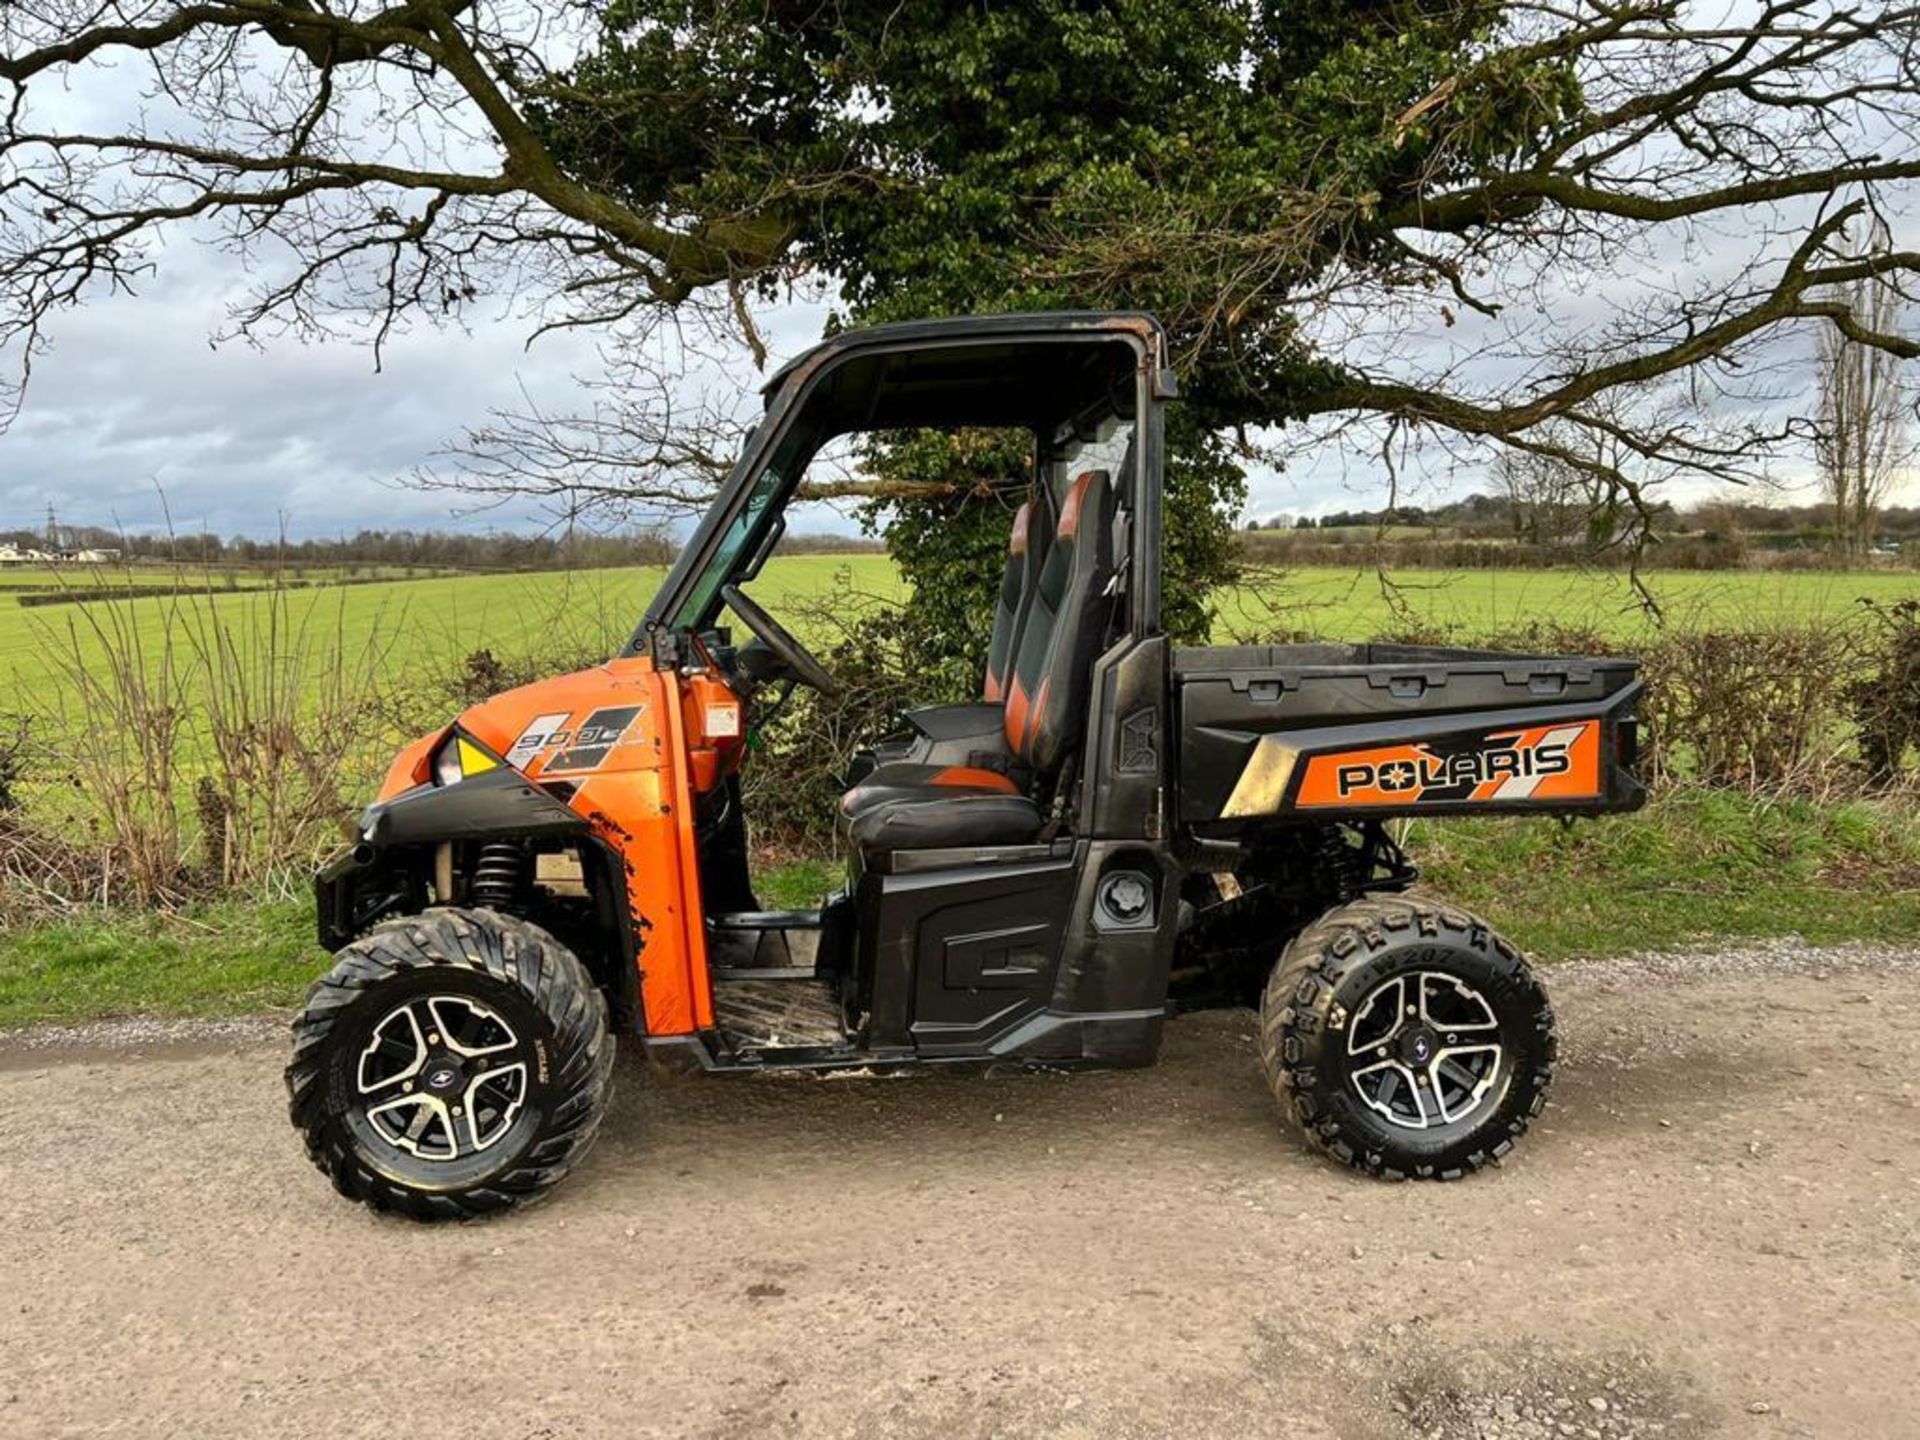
460,758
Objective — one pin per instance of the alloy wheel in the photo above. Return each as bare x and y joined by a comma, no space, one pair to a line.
1424,1050
442,1077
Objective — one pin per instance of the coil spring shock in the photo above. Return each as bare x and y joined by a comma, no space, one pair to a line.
497,874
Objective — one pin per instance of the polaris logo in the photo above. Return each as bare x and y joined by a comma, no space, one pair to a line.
1430,772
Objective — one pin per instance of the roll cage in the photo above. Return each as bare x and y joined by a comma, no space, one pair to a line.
1056,375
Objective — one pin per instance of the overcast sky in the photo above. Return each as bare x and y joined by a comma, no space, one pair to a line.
135,416
133,402
134,413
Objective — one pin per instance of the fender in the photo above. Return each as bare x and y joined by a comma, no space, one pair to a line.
384,873
499,804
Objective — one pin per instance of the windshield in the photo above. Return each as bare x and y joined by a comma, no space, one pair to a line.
745,533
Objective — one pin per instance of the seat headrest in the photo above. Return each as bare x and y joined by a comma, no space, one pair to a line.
1076,497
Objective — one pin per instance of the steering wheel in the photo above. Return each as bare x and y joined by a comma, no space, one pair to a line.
775,636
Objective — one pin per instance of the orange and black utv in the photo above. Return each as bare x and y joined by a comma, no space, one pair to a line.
1119,824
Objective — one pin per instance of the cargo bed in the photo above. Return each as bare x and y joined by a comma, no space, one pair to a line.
1308,731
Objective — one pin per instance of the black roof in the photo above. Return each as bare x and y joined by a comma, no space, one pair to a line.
971,327
1017,370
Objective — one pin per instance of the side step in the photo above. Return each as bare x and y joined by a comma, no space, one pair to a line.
797,1012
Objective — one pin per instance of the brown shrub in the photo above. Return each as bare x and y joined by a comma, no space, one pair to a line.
206,754
1886,699
1756,709
1805,709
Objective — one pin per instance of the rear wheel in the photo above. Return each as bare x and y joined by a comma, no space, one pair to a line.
451,1064
1407,1039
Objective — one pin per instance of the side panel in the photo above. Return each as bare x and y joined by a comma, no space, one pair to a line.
613,742
1111,984
1127,744
1553,758
1062,959
1250,716
956,957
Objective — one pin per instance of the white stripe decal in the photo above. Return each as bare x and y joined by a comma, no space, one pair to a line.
1519,787
538,734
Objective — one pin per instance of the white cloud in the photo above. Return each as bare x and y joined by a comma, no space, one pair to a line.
133,399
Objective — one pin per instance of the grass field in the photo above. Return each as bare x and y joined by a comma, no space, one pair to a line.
582,611
53,579
1691,865
1355,604
403,620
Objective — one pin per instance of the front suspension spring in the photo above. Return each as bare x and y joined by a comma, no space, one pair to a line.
497,875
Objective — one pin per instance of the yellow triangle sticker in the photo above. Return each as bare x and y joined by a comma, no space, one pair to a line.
474,760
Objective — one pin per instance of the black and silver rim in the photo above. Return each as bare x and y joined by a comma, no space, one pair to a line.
1424,1051
442,1077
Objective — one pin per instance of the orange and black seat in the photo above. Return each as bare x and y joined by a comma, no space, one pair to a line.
917,807
964,731
1026,550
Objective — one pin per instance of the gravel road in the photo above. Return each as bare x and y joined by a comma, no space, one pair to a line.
1714,1231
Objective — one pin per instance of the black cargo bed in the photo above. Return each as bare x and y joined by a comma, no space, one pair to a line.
1273,731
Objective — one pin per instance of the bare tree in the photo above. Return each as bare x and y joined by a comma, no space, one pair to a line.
376,162
645,441
1564,485
1550,498
1739,141
1860,439
642,442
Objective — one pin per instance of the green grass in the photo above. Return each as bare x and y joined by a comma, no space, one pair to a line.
798,884
1353,604
406,623
102,577
1691,869
220,959
403,623
160,577
229,958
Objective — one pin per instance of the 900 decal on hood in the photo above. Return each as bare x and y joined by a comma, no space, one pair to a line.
584,747
1542,762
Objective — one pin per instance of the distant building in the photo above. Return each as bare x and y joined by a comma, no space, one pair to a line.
12,554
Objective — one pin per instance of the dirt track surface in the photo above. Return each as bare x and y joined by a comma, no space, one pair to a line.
1714,1231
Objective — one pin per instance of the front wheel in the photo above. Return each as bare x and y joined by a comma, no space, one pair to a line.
1407,1039
451,1064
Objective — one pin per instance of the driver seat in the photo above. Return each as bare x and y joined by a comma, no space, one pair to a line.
921,807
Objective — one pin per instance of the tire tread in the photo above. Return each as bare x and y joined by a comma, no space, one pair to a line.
509,950
1299,997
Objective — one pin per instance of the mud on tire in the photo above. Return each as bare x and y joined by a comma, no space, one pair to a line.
444,1126
1406,1039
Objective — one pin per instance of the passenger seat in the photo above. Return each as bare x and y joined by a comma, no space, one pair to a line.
923,806
1026,550
963,733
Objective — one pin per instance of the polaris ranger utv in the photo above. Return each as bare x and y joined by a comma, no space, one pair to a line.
1118,822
